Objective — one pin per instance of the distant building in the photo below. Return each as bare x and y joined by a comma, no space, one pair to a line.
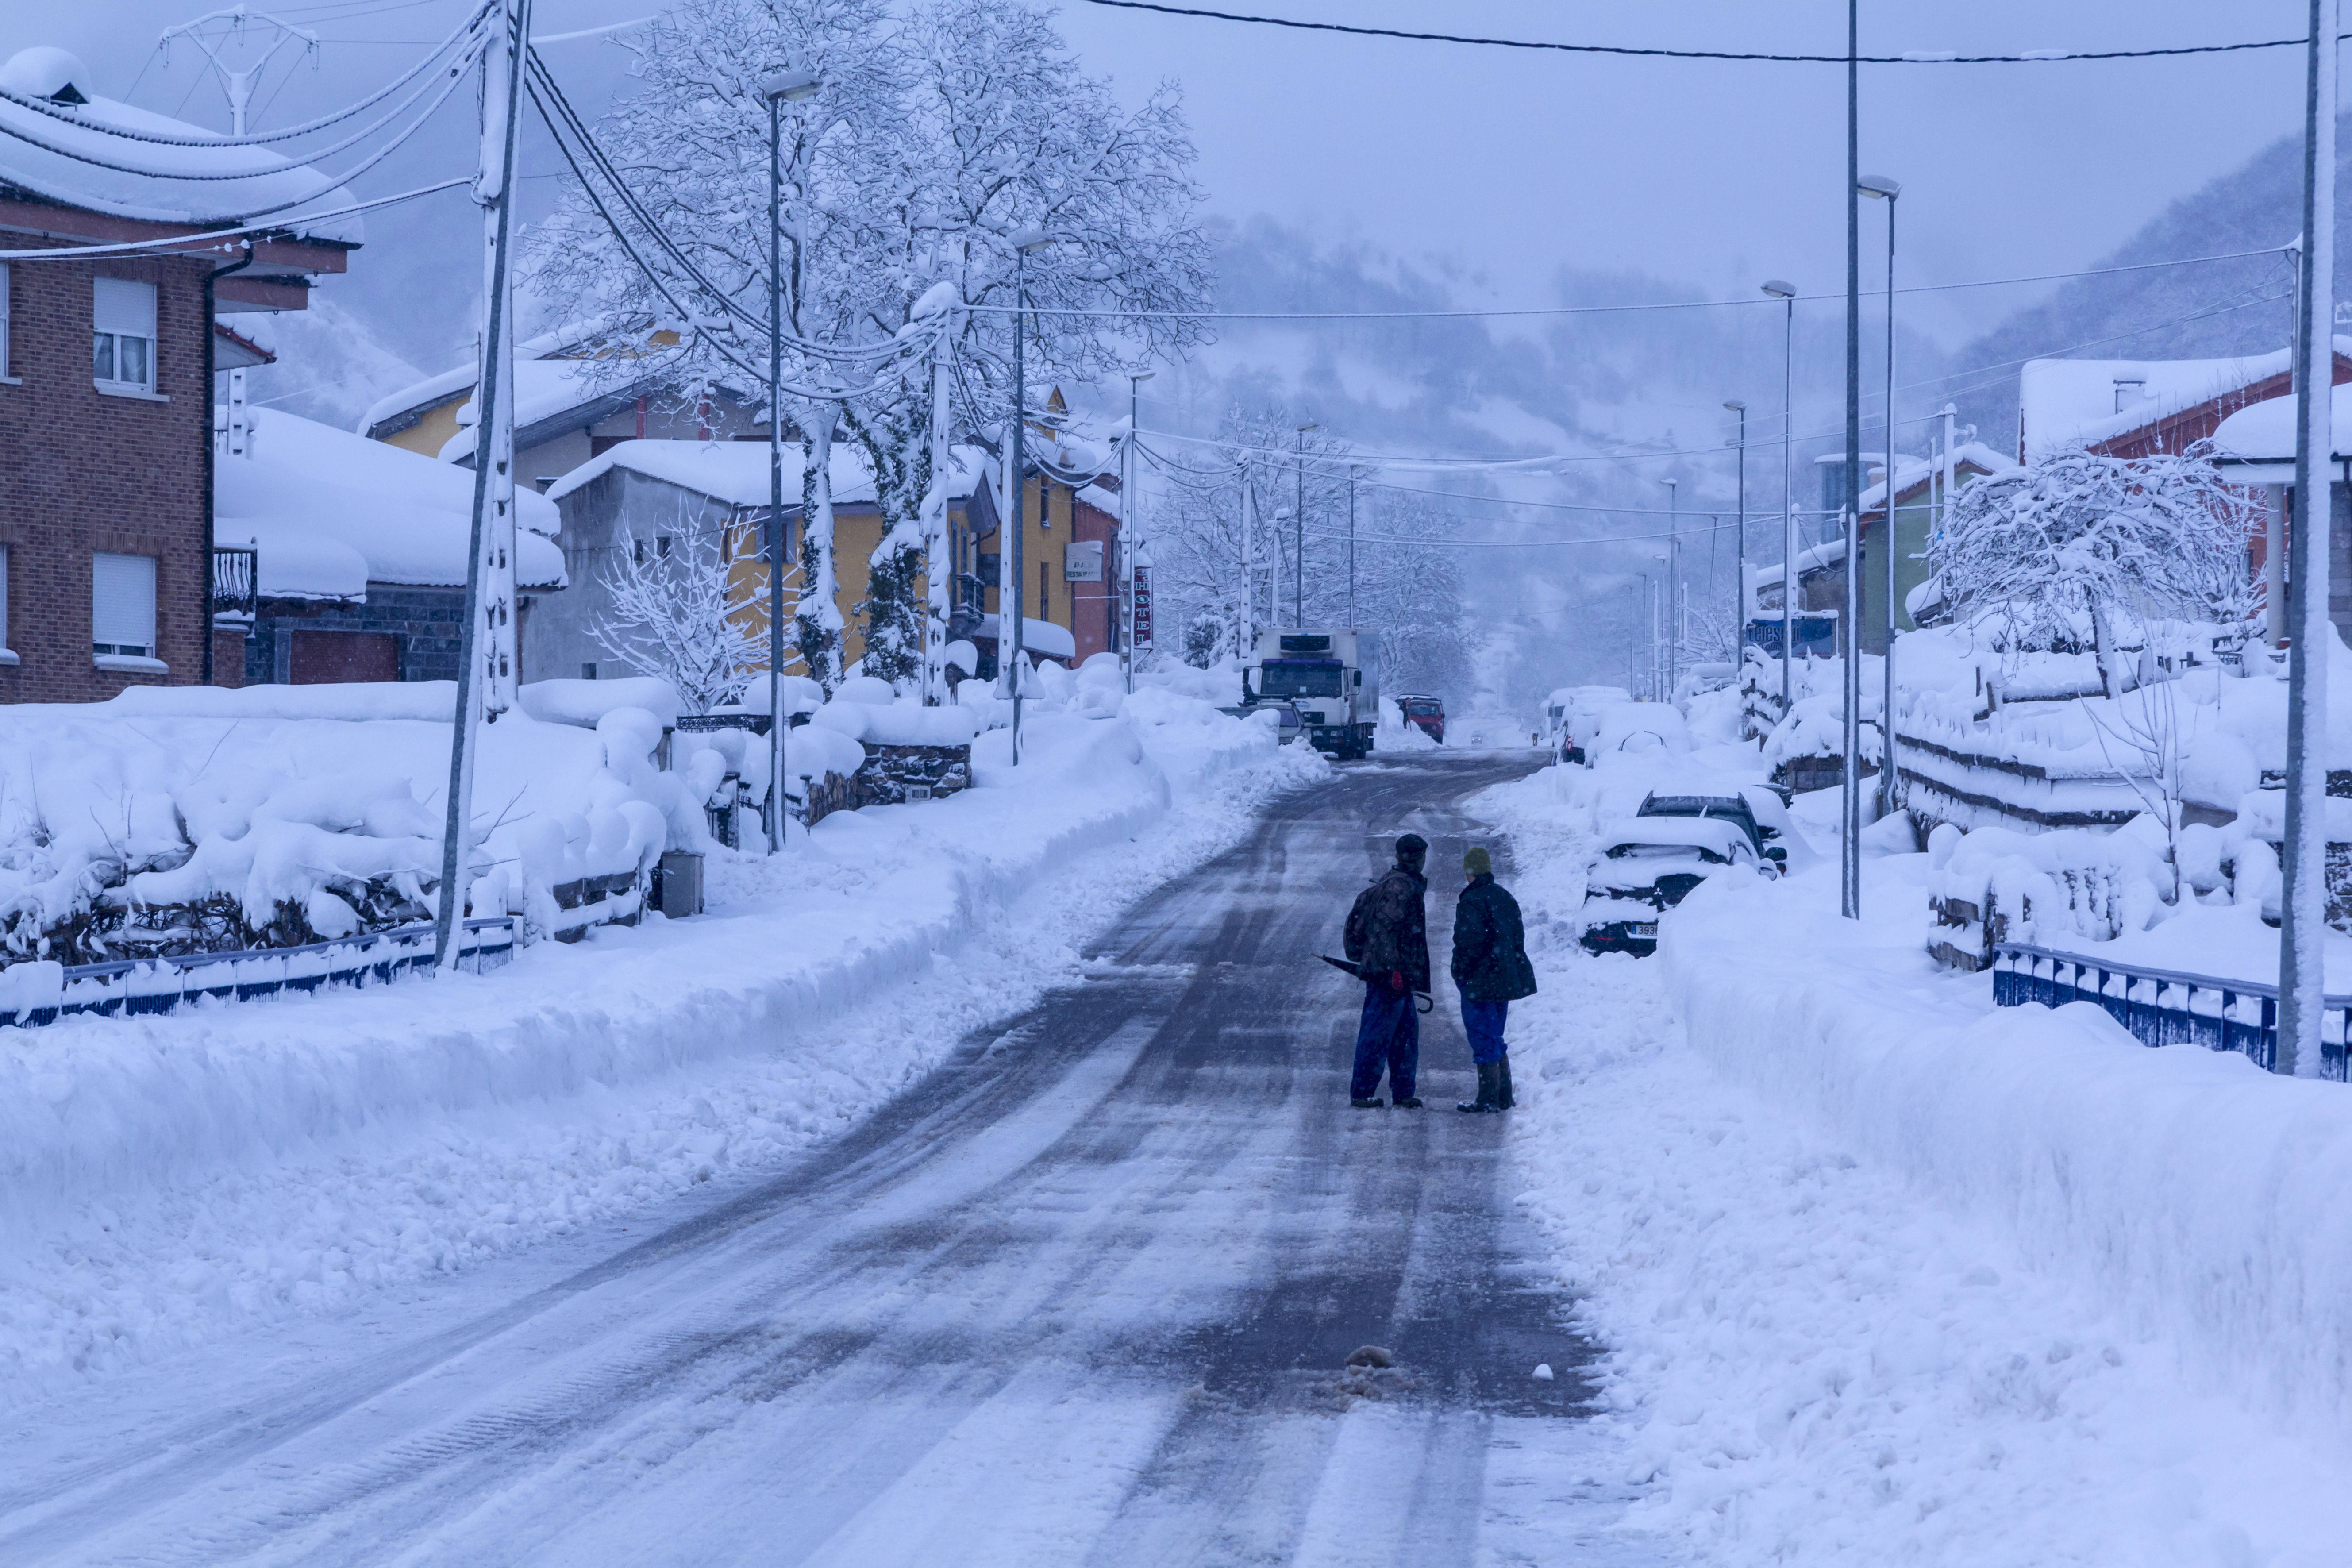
361,552
2136,408
106,367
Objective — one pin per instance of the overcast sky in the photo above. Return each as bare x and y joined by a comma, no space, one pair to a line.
1514,163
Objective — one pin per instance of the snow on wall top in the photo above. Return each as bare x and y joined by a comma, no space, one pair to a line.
2062,403
43,153
1910,471
331,513
2265,432
1041,637
737,471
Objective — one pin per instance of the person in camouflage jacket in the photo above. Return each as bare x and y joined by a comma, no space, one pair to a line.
1388,940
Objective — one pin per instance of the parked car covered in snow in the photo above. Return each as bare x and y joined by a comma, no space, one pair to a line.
1758,812
1647,865
1573,715
1636,727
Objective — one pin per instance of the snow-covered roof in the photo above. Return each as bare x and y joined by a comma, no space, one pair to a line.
1911,471
737,471
331,513
2265,432
46,145
565,342
1036,636
2062,403
547,388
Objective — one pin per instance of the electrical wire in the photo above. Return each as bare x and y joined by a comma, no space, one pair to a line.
1618,310
254,139
2033,57
199,242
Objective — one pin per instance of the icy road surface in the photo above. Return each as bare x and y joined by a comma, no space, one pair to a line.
1083,1296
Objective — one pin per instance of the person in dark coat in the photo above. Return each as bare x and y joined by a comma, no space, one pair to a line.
1388,940
1491,970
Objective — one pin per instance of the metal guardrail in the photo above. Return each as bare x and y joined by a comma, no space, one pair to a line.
2164,1006
133,987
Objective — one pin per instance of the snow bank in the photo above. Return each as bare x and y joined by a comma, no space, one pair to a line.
2197,1195
162,1178
190,819
1883,1274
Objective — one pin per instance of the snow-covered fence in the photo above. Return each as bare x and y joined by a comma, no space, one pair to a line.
2165,1008
41,993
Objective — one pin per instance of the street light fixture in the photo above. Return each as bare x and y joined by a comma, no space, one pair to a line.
787,84
1011,584
1786,292
1298,534
1879,188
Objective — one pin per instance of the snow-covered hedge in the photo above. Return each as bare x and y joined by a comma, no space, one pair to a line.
196,819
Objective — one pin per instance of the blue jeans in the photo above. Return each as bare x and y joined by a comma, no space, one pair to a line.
1482,1022
1389,1035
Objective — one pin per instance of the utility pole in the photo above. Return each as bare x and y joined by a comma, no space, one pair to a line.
787,85
1130,508
1786,292
486,660
1850,835
2303,898
1739,547
1299,535
1882,188
1671,654
1352,472
1012,588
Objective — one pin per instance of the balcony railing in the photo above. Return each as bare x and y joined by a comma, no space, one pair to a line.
236,580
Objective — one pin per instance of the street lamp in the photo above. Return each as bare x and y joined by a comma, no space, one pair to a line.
1130,494
1740,546
1880,187
1645,682
788,84
1010,585
1674,580
1786,292
1353,473
1298,534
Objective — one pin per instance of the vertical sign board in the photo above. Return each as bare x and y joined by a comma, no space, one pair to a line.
1142,606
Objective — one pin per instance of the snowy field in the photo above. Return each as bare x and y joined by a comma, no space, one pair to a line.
170,1179
1887,1275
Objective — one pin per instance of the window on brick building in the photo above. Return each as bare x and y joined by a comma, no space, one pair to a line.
122,333
122,605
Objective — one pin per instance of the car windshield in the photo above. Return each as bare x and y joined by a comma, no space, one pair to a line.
1299,679
1661,852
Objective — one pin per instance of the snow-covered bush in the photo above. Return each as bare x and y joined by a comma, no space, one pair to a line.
196,819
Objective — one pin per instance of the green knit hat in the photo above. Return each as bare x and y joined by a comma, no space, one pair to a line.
1475,863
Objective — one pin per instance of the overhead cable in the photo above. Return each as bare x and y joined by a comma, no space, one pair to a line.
259,138
1916,58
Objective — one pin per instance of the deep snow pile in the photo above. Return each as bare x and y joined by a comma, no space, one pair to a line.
165,1178
198,819
1886,1275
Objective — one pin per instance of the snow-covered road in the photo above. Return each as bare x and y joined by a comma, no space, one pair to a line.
1083,1294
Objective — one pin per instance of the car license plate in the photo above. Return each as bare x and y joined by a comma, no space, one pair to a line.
1643,928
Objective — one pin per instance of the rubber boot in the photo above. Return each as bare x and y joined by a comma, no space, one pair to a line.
1503,1093
1488,1080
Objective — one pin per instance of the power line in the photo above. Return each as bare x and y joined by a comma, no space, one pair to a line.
1916,57
1613,310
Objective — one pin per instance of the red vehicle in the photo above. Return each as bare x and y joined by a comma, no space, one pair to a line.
1427,713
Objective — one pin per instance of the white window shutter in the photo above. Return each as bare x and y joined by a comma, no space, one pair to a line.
120,305
122,602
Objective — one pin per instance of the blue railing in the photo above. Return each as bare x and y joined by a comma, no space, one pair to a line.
2164,1007
131,987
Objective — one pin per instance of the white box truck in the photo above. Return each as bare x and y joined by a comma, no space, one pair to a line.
1331,677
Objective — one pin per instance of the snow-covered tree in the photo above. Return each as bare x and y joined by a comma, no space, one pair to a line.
2080,550
671,611
940,133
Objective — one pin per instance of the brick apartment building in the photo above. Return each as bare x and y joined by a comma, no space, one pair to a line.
106,364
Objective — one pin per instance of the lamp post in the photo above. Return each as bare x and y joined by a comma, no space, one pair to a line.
1883,189
1011,583
1739,545
789,85
1850,803
1352,474
1642,684
1298,533
1131,496
1786,292
1674,580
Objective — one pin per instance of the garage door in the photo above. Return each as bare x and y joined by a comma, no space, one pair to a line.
321,659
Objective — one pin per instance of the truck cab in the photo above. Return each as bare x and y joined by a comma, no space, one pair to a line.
1331,677
1426,714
